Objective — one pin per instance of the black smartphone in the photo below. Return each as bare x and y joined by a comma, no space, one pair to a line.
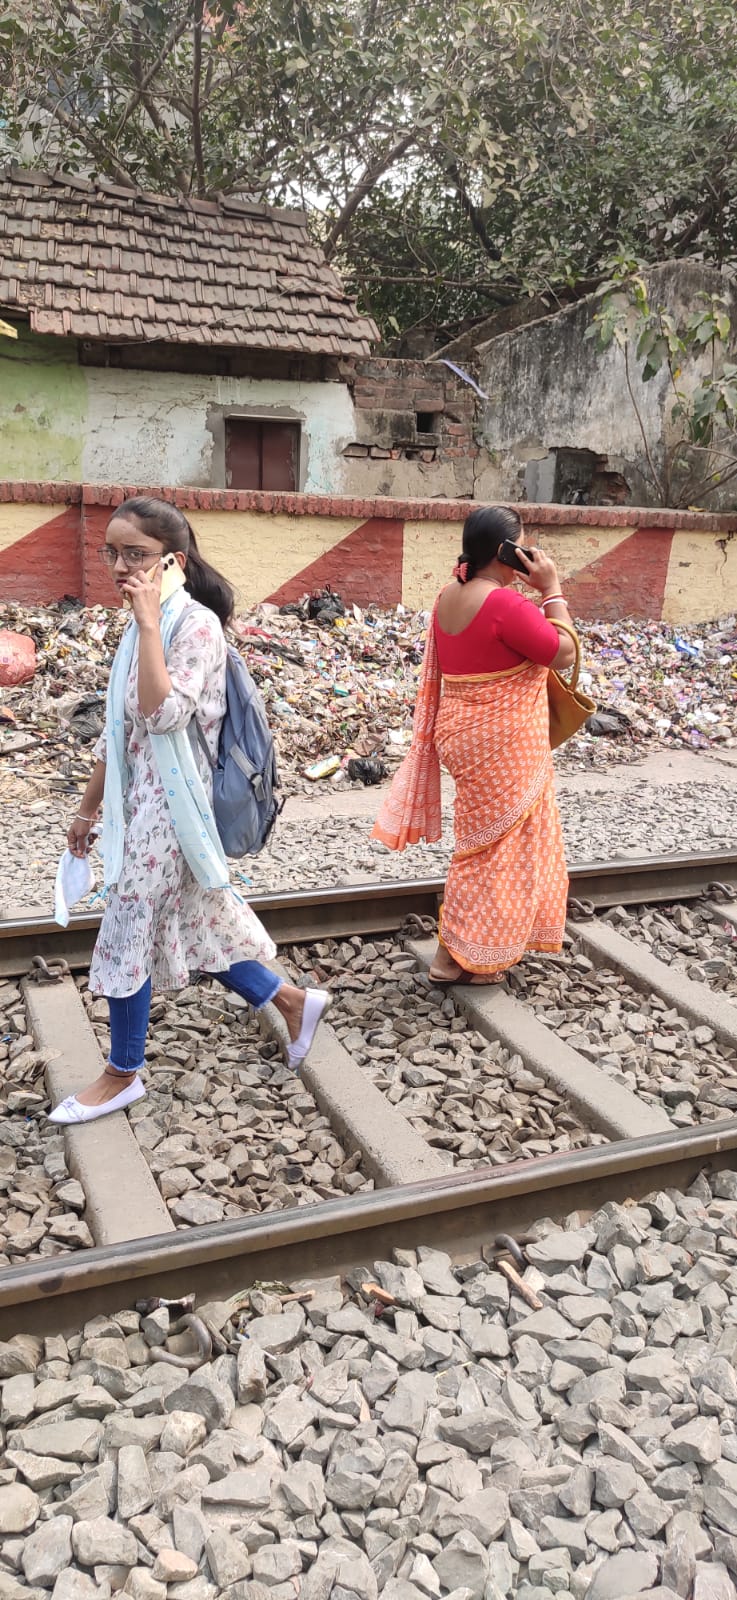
509,557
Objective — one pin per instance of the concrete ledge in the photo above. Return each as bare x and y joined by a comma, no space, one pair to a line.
393,1153
292,503
606,1106
123,1201
608,948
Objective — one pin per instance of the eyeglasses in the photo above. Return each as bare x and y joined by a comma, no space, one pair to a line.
131,556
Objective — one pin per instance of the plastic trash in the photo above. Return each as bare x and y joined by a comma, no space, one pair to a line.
325,607
17,659
74,881
607,724
367,769
322,769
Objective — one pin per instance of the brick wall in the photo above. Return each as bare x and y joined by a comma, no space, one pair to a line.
613,562
389,396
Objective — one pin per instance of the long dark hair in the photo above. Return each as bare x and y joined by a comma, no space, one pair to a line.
484,530
160,520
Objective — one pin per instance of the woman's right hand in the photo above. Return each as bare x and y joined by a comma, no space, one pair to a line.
541,573
81,837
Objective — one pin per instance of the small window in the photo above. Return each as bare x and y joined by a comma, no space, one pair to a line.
425,421
261,454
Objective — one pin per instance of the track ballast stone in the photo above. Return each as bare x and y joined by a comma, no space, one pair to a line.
318,851
226,1129
470,1099
639,1040
41,1206
689,937
457,1444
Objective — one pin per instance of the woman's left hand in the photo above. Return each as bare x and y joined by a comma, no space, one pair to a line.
143,589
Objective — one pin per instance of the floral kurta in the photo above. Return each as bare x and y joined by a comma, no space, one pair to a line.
159,923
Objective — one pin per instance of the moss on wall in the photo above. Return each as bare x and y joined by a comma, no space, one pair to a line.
43,409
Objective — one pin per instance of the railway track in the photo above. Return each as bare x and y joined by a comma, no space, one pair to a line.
371,908
457,1213
414,1192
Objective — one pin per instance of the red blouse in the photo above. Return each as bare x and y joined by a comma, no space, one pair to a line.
506,630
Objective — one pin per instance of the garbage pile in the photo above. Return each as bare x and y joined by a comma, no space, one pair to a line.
48,723
658,684
340,684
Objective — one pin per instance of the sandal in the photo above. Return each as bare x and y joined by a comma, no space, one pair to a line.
476,980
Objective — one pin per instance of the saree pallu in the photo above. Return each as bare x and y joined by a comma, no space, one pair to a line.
507,883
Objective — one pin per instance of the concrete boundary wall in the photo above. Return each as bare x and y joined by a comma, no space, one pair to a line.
626,562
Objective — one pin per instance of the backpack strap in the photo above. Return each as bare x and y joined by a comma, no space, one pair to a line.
197,740
254,774
196,736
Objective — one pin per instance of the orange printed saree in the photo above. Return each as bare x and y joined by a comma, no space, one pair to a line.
507,883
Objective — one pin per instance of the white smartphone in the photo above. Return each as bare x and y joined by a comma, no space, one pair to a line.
172,578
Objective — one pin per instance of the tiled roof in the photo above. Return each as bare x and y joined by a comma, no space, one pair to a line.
97,261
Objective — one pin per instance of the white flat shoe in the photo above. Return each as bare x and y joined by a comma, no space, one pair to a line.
72,1111
317,1002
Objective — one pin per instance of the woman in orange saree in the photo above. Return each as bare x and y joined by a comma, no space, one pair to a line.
507,884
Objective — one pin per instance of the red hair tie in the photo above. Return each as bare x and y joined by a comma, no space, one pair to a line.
460,571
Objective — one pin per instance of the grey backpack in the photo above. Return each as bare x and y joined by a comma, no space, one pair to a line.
244,777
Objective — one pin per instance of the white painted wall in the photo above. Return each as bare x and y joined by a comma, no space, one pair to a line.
151,427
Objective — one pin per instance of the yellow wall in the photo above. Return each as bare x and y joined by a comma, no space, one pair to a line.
608,571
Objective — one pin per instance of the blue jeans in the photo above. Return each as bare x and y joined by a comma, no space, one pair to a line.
129,1016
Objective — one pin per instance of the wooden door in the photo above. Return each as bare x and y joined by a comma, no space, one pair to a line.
261,454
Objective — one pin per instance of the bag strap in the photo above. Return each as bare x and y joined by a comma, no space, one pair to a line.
566,628
196,736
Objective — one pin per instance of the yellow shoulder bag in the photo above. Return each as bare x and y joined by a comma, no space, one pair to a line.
568,706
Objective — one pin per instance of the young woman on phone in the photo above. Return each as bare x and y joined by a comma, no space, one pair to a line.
170,909
488,650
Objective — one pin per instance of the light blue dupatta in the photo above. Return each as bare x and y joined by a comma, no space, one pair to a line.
190,808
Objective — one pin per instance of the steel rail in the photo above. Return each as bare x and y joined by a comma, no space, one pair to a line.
460,1213
381,908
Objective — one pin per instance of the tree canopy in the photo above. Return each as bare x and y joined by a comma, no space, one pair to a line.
453,155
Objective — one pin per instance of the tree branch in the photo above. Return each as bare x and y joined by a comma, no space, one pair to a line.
217,39
654,474
706,214
704,486
88,140
372,172
492,291
469,210
196,90
134,100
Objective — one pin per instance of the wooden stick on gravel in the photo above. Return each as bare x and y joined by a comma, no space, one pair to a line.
523,1289
374,1292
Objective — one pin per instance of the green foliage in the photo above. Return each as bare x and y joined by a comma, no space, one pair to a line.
692,463
453,156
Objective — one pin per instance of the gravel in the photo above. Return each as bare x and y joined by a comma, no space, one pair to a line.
638,1040
687,937
586,1451
469,1098
226,1129
41,1205
316,850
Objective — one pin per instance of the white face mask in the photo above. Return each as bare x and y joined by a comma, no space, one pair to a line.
74,881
